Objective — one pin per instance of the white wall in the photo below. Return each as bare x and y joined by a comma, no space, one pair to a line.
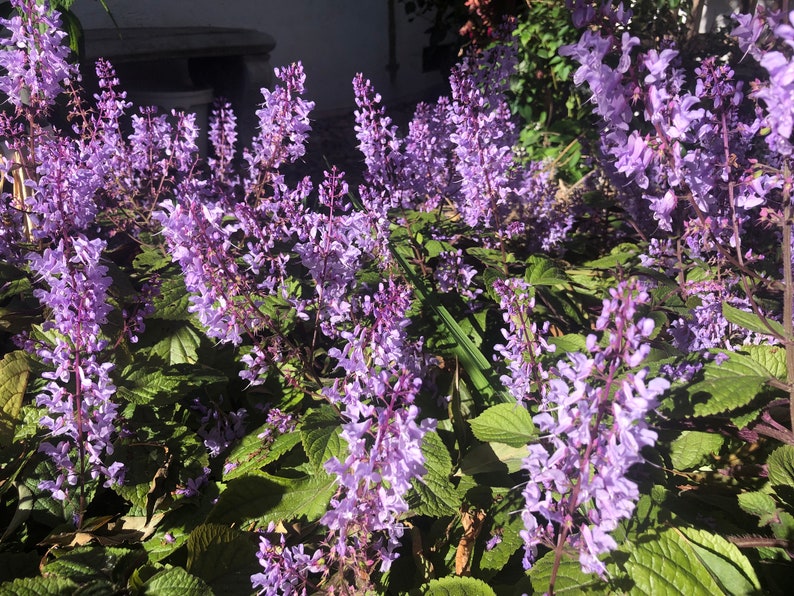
333,38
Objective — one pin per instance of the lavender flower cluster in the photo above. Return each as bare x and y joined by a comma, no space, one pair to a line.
461,151
686,150
55,185
592,415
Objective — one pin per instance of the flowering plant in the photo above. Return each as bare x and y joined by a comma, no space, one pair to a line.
220,376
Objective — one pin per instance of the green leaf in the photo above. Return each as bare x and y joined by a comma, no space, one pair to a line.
570,578
268,498
750,321
691,448
761,505
305,499
435,494
172,301
245,499
664,562
89,563
772,358
39,586
148,385
542,271
568,343
14,372
620,255
47,509
251,454
510,424
727,386
493,457
457,586
728,566
474,362
180,347
320,434
151,386
223,557
781,473
176,582
507,523
151,259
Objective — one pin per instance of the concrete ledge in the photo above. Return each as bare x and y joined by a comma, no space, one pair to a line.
163,43
235,63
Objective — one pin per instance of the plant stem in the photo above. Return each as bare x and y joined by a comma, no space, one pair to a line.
788,288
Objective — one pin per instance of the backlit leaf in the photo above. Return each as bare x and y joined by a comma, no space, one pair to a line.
504,423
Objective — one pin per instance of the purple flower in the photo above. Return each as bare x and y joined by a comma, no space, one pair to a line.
285,568
219,429
78,394
34,60
453,275
382,430
222,136
525,346
283,129
592,417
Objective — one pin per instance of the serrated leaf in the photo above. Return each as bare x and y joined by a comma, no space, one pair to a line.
320,435
176,582
435,494
457,586
268,498
728,566
691,448
39,586
157,387
88,563
222,556
772,358
506,523
542,271
568,343
151,259
251,454
151,386
750,321
179,347
45,507
304,499
726,386
172,301
510,424
663,562
619,255
780,467
14,373
761,505
570,578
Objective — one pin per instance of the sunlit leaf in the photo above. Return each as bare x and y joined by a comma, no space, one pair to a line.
505,423
14,372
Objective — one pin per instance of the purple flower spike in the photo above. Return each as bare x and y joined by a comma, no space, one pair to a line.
592,418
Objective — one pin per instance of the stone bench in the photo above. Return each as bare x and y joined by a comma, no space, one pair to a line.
234,63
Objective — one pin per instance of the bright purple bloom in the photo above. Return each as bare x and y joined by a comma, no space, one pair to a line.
592,418
34,60
285,568
79,391
525,345
382,430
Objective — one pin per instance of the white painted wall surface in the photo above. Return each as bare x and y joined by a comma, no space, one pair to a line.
333,38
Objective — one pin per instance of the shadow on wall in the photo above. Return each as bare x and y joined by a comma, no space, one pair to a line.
334,40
